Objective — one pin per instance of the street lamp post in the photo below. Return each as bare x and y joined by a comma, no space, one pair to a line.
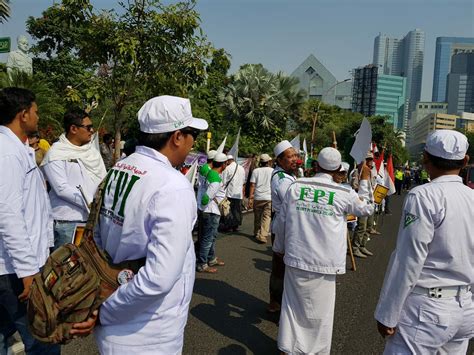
316,113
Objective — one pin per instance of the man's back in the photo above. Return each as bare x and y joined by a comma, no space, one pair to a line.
149,211
236,175
262,179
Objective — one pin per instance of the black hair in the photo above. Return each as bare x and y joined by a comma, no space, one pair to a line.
264,163
107,138
156,141
12,101
129,146
73,116
444,164
217,164
34,135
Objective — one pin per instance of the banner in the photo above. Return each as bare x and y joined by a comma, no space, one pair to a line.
234,151
221,147
295,142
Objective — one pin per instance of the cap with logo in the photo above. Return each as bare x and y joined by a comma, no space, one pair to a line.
163,114
447,144
220,158
329,159
281,147
264,158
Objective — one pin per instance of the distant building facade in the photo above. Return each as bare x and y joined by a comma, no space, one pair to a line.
402,57
379,94
319,83
460,90
446,47
424,108
431,122
465,122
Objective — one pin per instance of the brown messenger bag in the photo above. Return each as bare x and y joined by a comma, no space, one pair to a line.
74,282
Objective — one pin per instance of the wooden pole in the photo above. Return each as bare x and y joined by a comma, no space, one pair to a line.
349,246
334,141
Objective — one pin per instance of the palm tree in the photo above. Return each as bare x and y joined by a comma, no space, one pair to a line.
4,10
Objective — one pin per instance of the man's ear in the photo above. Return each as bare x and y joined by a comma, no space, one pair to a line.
466,161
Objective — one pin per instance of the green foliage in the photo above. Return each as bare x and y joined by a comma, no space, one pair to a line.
261,103
121,57
4,10
50,105
470,151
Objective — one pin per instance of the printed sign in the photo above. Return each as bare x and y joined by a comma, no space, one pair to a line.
5,44
379,193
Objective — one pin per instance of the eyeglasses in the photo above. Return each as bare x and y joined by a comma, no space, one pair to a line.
191,131
88,127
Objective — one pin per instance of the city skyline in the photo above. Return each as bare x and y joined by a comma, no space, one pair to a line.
280,36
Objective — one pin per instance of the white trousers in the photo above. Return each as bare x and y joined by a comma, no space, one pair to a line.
433,326
307,312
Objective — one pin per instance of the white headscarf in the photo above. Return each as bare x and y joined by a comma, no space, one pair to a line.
88,154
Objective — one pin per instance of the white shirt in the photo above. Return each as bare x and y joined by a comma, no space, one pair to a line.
26,225
280,183
235,187
211,193
435,245
310,228
261,177
66,200
151,214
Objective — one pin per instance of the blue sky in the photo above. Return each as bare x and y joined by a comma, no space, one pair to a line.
280,34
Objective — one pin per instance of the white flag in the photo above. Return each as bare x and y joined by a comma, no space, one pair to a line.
362,142
234,151
305,150
221,147
295,142
192,172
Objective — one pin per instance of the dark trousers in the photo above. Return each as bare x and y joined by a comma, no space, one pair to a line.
276,277
234,219
13,318
207,243
398,186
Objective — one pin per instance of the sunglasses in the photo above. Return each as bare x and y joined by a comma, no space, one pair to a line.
88,127
191,131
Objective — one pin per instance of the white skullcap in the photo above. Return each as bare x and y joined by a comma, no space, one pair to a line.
370,155
281,147
265,158
220,158
211,154
163,114
329,159
344,167
230,156
447,144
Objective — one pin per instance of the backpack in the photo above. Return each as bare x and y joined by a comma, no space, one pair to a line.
74,282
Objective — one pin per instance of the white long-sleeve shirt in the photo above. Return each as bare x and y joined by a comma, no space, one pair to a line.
310,228
26,225
149,210
435,245
236,184
66,200
280,182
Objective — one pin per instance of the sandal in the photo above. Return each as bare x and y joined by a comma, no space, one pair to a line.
216,262
206,269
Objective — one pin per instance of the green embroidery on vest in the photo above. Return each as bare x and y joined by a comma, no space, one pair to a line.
409,219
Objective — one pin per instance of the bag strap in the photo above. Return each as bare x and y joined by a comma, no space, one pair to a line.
235,171
95,209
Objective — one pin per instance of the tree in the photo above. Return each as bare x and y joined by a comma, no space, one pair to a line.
143,50
261,103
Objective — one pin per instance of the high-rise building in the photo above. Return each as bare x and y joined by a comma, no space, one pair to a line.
446,47
379,94
402,57
460,90
321,84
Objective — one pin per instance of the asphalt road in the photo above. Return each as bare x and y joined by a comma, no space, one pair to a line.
228,316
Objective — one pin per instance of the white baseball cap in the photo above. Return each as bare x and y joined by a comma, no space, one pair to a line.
265,158
163,114
220,158
447,144
344,167
329,159
281,147
211,154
